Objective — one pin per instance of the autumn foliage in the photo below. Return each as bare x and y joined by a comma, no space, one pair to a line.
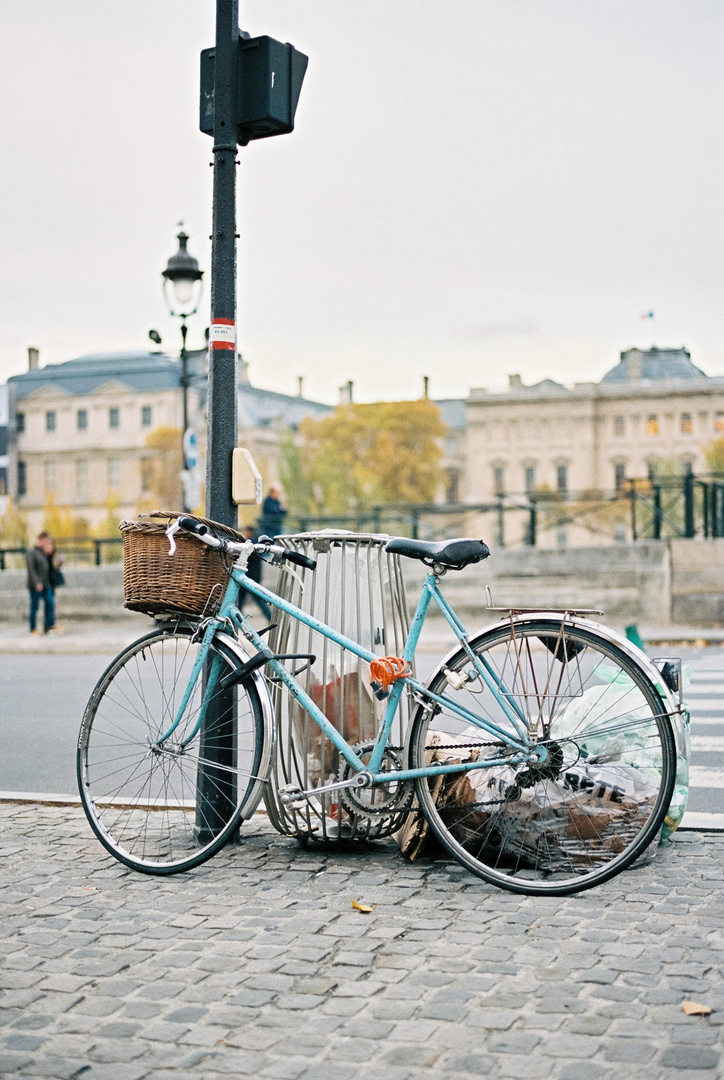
363,455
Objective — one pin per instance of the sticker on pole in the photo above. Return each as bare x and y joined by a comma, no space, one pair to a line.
222,334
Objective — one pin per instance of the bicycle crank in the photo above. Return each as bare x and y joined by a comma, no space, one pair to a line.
291,795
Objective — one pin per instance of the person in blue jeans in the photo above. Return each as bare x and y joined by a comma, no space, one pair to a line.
38,560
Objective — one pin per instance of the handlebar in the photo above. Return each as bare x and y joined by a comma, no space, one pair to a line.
299,559
265,547
191,525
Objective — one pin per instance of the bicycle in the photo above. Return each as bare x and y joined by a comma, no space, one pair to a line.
541,752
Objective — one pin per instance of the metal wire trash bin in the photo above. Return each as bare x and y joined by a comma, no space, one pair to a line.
359,590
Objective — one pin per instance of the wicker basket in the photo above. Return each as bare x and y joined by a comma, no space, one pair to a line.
191,582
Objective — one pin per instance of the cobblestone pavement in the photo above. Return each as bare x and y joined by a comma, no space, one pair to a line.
256,965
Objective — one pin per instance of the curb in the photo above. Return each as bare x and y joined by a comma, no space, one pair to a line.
693,822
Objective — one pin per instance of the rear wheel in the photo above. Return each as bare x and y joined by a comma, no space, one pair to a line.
600,797
163,809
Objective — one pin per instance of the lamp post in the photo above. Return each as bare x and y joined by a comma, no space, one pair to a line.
182,291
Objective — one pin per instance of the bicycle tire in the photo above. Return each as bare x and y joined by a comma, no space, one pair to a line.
139,801
584,820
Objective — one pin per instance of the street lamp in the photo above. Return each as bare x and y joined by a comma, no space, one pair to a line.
182,292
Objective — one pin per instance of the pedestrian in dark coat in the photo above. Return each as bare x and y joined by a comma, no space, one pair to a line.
273,512
39,562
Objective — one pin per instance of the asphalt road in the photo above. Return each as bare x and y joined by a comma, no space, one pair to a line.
42,698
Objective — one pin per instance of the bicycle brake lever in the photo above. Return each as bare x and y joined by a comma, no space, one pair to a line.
171,530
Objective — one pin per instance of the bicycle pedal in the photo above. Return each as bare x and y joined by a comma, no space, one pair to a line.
291,795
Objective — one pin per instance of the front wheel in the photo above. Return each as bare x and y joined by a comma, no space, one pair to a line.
163,808
601,795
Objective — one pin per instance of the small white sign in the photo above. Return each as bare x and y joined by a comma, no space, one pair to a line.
222,330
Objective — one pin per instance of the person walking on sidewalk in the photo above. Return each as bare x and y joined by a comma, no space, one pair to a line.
273,513
39,561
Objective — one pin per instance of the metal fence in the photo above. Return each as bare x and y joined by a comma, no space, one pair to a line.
90,551
641,509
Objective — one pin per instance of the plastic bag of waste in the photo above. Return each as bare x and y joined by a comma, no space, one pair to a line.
575,821
633,741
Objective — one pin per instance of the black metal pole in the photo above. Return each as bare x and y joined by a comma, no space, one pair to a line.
216,787
184,379
689,523
222,422
658,515
185,402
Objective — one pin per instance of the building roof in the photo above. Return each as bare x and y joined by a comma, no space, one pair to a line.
139,371
144,372
261,408
452,412
654,363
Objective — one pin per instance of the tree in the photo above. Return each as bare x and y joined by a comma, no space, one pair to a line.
60,522
162,468
13,526
362,455
714,454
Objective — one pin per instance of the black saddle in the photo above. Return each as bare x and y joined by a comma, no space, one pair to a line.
453,554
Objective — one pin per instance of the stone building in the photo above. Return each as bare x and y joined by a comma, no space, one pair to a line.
78,430
654,411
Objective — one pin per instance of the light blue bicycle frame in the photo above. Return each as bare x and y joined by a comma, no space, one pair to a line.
527,749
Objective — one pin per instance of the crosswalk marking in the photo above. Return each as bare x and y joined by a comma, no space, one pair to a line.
705,698
702,777
709,744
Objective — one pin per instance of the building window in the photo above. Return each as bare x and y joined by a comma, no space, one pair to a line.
619,425
114,418
499,480
452,492
687,424
562,479
22,479
719,423
50,475
114,473
20,422
619,475
50,421
81,479
652,425
82,419
529,479
146,416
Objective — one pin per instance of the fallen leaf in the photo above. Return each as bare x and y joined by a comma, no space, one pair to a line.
364,908
89,888
691,1008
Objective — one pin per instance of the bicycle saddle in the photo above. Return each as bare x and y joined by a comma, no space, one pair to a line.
454,554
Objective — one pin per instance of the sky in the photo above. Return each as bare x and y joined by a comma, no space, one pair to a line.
473,188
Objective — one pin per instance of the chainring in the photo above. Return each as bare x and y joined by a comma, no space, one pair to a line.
380,800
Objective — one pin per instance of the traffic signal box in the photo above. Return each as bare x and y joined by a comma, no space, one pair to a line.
269,81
